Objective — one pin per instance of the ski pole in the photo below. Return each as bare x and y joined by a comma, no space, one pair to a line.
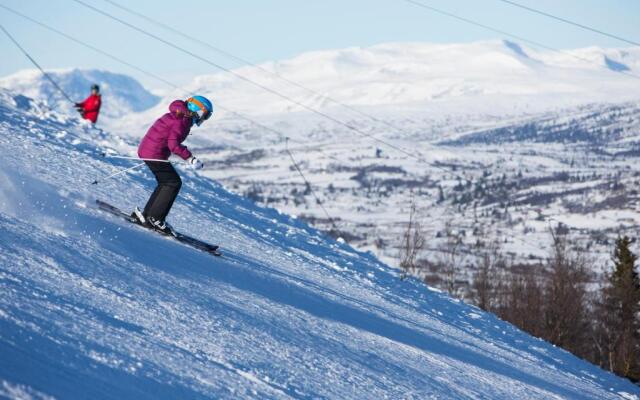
119,173
135,158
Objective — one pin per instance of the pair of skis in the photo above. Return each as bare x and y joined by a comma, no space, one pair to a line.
177,236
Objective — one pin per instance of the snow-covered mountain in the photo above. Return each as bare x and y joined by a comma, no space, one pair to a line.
418,75
414,85
92,307
474,112
123,94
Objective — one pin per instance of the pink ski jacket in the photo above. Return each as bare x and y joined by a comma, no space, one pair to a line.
167,134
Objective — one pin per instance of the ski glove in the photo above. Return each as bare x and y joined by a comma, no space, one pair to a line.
195,163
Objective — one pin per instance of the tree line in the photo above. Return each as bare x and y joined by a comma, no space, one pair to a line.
557,300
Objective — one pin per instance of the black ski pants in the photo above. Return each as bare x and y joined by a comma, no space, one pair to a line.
166,191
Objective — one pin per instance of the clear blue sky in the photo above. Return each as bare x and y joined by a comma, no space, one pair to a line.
275,29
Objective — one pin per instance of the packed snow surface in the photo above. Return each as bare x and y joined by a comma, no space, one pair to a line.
93,307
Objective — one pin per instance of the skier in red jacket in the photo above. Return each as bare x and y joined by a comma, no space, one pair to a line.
90,107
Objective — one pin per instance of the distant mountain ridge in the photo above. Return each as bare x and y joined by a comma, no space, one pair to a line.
595,124
422,73
497,77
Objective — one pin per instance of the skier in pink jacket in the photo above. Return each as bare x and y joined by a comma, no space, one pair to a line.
164,138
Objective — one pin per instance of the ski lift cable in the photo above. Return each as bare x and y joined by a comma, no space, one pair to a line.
154,76
132,66
115,58
34,62
145,72
570,22
308,185
82,43
514,36
254,83
158,78
244,61
120,172
78,137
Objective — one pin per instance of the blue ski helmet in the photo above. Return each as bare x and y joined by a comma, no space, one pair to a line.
201,107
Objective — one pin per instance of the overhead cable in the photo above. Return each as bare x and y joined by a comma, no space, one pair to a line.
567,21
34,62
514,36
252,82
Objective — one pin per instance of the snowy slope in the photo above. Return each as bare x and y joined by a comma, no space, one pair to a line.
91,307
122,93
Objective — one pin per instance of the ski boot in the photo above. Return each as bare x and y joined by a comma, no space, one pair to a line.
160,226
138,217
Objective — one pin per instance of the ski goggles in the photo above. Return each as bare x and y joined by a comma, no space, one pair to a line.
202,114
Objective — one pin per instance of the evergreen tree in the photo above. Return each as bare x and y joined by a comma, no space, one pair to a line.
619,331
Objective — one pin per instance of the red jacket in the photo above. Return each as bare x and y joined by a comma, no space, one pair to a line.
91,107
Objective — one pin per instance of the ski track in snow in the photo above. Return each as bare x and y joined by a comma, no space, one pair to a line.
93,307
